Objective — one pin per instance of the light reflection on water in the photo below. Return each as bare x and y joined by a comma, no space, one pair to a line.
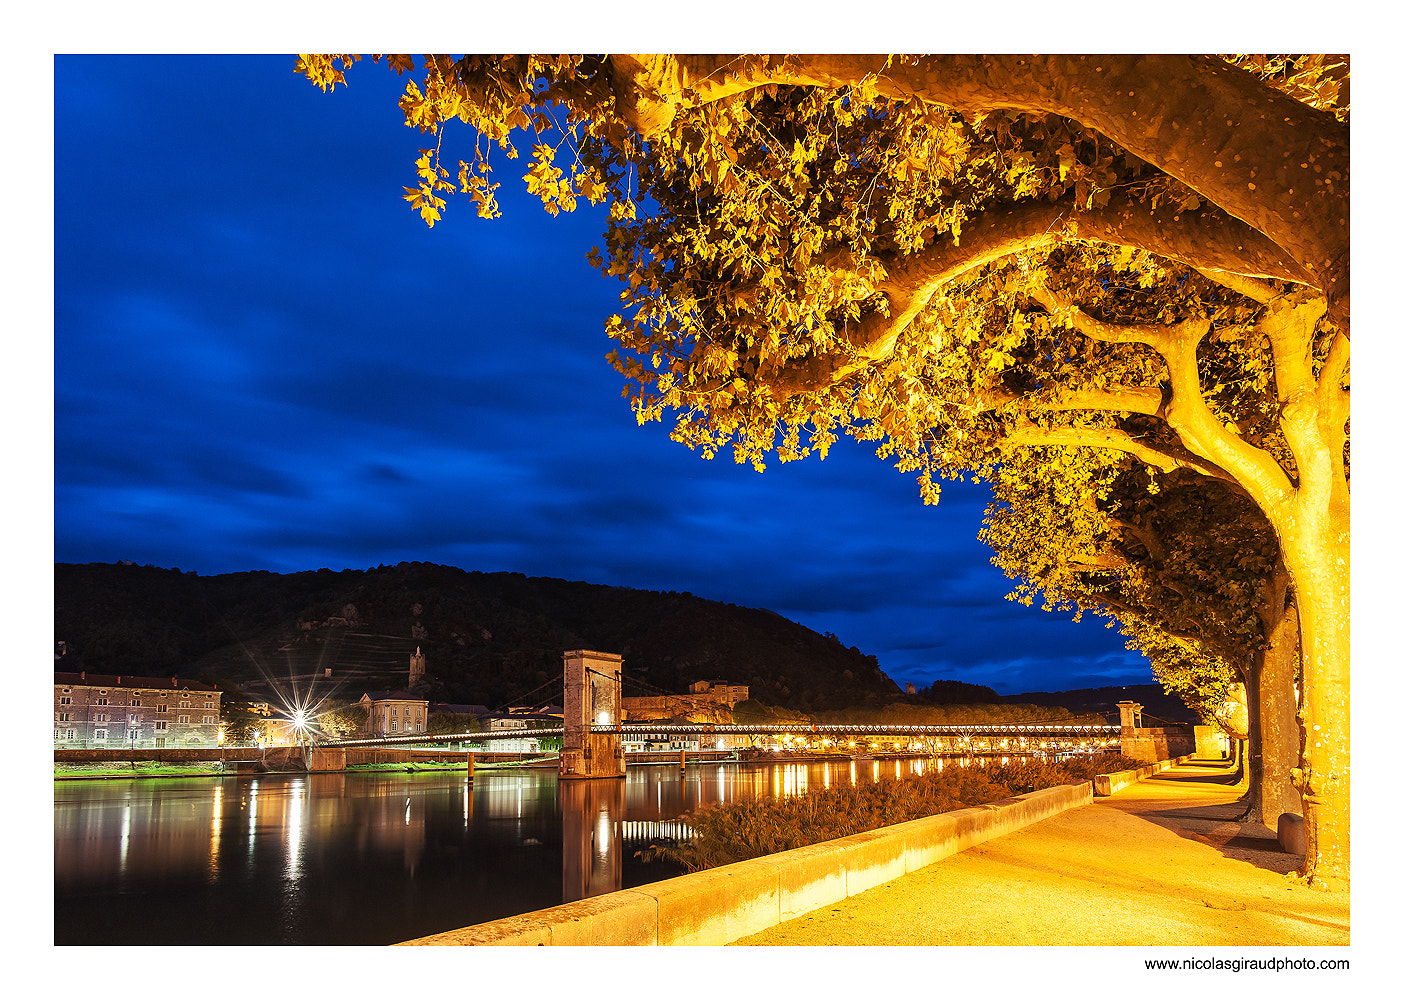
373,858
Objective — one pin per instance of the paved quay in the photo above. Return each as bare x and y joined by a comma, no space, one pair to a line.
1160,863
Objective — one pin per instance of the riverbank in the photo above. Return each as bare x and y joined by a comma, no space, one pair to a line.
136,768
1160,863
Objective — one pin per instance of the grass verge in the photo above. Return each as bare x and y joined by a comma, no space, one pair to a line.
137,768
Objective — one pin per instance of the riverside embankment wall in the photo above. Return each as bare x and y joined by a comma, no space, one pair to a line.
277,757
1105,785
718,906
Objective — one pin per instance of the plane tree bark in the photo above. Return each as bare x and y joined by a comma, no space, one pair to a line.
1272,687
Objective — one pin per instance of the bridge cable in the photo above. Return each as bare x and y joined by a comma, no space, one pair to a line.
508,703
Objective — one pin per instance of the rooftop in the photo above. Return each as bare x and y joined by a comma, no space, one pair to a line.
86,679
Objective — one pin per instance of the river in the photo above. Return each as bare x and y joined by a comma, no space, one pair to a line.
374,858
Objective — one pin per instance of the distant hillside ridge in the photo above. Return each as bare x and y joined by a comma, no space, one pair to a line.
488,638
1158,704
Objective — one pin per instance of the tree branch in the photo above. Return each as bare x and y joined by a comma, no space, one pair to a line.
1187,412
1290,324
1198,238
1122,399
1097,562
1199,638
1155,336
1165,459
1334,371
1146,535
1248,287
1277,164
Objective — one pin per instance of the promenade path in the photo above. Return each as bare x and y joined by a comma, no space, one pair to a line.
1159,863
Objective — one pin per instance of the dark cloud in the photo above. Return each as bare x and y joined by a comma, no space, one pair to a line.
264,360
380,473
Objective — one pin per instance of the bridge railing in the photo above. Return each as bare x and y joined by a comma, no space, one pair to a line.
421,738
720,728
723,728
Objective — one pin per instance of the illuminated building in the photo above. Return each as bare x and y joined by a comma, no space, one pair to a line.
99,711
700,696
393,712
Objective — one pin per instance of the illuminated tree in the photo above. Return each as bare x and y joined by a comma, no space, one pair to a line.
241,723
958,256
1189,569
340,720
448,723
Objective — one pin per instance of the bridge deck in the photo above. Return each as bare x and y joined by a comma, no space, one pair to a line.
646,728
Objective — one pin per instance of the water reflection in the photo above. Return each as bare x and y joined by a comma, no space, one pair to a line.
591,811
374,858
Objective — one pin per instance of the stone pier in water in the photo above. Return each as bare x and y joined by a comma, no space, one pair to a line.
593,696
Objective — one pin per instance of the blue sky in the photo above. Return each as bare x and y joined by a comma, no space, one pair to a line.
264,359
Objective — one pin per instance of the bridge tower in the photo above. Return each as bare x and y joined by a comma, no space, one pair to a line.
593,696
1129,717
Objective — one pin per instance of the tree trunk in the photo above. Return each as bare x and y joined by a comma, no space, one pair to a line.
1253,748
1274,745
1311,519
1280,734
1319,565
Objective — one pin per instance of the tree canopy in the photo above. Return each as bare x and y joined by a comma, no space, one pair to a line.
957,257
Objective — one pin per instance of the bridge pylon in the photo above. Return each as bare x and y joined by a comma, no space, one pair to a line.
593,696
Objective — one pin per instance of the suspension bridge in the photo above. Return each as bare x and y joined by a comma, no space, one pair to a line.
593,731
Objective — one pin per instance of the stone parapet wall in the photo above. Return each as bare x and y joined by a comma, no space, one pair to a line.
715,907
1210,743
1154,745
1106,785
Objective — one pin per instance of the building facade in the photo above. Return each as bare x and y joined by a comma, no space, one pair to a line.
102,711
393,712
729,694
701,696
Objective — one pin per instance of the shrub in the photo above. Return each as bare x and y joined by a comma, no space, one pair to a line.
725,834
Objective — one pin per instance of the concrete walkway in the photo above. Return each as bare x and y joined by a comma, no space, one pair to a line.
1160,863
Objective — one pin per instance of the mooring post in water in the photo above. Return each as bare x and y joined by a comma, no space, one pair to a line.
593,698
684,759
470,765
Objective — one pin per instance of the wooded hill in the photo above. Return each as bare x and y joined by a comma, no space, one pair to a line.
1158,704
488,638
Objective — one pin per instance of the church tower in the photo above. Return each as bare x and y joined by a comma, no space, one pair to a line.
416,667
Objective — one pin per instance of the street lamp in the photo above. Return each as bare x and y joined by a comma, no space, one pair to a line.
299,725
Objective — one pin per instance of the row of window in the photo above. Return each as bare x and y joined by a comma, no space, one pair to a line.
135,719
133,703
99,735
159,693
